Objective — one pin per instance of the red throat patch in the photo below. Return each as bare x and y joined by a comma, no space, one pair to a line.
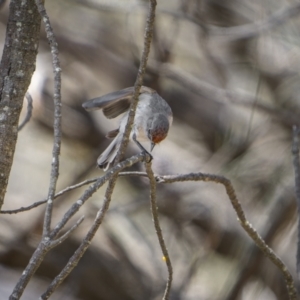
158,136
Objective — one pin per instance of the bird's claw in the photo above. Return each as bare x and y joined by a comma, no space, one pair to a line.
147,156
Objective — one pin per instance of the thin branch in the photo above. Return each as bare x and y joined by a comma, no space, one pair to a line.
243,221
158,229
240,213
46,243
138,84
139,80
249,229
296,163
108,176
111,185
67,234
29,111
36,259
68,189
134,173
281,207
73,261
57,116
38,203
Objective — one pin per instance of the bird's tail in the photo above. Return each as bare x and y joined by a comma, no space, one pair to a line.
109,155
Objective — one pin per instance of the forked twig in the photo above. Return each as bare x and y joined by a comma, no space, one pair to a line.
111,185
47,243
242,219
230,191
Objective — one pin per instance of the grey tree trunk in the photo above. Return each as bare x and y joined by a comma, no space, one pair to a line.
16,69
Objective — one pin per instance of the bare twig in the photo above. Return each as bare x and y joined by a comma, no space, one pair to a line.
241,215
139,79
203,177
47,242
158,228
73,261
296,163
38,203
67,234
106,202
243,221
29,111
67,189
57,116
281,208
108,176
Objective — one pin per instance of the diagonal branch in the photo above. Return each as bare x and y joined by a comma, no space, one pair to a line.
73,261
108,176
47,242
140,76
242,219
67,234
111,185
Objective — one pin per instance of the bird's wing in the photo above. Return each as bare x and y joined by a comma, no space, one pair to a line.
113,104
116,108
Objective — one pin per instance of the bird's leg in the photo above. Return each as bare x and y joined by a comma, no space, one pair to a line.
141,147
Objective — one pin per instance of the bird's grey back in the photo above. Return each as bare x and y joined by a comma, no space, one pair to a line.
155,104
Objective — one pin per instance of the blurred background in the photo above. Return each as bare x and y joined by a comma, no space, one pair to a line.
230,72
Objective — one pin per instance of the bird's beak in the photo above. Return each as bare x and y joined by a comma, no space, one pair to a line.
152,146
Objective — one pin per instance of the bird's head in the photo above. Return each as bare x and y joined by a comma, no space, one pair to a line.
158,128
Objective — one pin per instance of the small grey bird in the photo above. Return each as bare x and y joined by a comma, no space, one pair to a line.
152,121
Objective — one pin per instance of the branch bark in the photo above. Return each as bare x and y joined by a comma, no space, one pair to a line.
16,68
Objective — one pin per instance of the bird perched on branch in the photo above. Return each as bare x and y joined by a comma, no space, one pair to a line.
152,121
